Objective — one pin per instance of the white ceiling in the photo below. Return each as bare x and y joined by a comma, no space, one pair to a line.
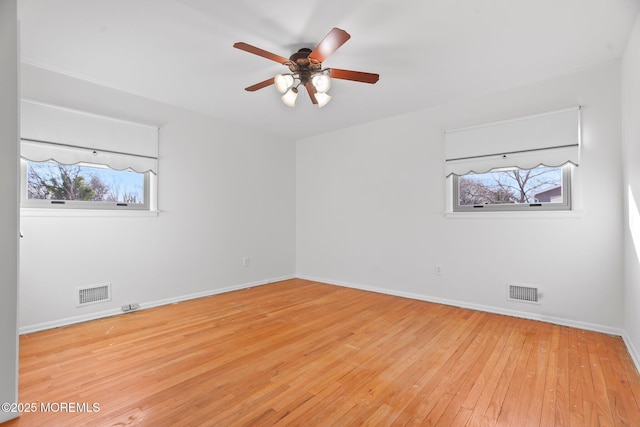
427,52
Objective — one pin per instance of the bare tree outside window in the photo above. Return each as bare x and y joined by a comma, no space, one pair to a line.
538,185
55,181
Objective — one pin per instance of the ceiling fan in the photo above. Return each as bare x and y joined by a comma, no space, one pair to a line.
306,70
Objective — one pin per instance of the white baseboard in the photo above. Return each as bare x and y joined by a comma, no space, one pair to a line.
150,304
462,304
633,352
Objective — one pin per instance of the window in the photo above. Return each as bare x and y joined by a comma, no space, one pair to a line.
83,186
77,160
519,164
541,188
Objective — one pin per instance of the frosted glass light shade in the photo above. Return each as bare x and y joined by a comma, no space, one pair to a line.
289,98
321,82
322,98
283,82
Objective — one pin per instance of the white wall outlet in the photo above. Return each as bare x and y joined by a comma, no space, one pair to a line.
437,270
245,261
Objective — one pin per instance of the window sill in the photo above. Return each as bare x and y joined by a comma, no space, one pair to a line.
44,212
574,214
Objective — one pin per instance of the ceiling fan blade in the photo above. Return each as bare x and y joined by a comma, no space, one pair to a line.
260,85
261,52
312,92
329,44
356,76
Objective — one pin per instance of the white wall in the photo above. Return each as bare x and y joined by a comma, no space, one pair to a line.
631,127
9,205
371,202
224,193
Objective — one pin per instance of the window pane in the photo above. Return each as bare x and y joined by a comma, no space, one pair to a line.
55,181
511,186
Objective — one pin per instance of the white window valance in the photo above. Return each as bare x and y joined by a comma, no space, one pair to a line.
71,137
550,139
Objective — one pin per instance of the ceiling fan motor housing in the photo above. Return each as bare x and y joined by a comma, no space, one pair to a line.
300,61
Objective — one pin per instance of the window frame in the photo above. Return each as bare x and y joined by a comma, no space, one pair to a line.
70,205
566,205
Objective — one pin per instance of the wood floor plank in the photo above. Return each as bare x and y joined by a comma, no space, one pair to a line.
563,390
589,406
299,352
507,410
548,410
536,378
602,403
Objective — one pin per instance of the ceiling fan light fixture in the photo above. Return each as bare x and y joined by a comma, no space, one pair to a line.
305,68
283,82
289,98
321,82
322,98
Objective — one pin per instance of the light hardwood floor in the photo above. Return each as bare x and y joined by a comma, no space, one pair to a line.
310,354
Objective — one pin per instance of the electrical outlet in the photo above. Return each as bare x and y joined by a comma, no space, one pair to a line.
245,261
437,270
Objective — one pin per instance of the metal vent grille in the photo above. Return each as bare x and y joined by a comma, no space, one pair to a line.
94,294
523,293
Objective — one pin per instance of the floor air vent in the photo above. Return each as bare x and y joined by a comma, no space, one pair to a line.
94,294
523,293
